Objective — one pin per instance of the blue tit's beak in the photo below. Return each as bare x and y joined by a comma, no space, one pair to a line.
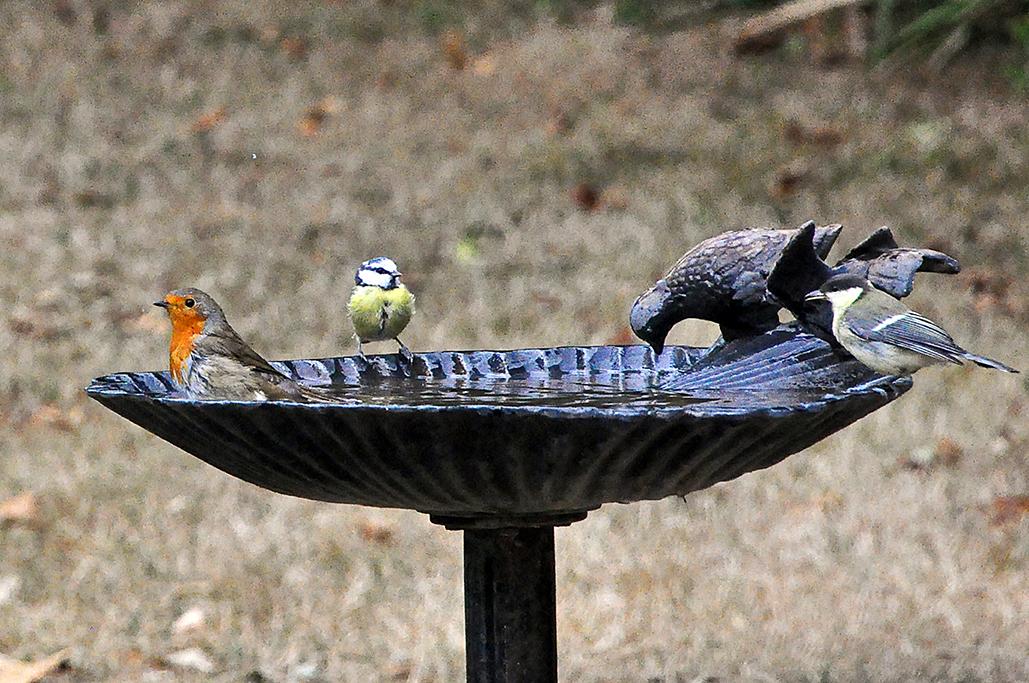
816,296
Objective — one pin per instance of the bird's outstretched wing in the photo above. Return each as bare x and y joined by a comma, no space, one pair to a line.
910,331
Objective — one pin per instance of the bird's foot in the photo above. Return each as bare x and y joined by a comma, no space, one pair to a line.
405,352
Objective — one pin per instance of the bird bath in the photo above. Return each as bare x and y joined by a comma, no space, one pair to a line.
507,445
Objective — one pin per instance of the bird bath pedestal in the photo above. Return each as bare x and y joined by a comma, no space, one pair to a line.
505,446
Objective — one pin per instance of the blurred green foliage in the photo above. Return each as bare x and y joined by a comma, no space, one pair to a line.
932,25
1018,73
920,30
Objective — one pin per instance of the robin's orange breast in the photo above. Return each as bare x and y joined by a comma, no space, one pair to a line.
184,334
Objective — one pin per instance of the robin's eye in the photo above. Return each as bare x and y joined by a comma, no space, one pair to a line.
190,303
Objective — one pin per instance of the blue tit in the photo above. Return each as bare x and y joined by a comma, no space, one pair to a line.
380,306
886,335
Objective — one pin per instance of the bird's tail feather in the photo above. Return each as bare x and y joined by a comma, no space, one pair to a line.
985,362
319,394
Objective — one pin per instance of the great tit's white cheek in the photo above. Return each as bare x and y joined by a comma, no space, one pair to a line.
844,297
373,278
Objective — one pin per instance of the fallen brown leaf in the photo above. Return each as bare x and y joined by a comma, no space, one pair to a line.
452,44
207,122
311,122
92,199
22,509
559,123
623,337
37,327
1006,509
256,676
990,289
948,452
376,533
400,671
788,180
15,671
822,135
50,415
586,196
295,47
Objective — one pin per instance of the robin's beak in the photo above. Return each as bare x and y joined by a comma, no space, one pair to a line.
816,296
161,304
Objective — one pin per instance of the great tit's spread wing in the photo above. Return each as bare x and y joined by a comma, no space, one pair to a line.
908,330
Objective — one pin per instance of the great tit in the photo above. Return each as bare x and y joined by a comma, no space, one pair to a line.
380,306
886,335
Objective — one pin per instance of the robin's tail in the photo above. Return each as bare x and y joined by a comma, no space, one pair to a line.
320,394
985,362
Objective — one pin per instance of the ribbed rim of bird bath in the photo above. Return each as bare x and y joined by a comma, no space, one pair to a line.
776,373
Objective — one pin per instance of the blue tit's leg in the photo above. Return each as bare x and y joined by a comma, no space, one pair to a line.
404,351
360,351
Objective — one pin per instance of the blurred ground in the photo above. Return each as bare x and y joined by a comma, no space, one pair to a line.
263,155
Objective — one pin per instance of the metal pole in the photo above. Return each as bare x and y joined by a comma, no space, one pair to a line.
510,605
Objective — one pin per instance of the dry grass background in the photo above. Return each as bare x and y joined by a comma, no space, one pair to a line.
127,138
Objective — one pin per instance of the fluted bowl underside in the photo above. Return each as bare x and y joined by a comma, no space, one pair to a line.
520,433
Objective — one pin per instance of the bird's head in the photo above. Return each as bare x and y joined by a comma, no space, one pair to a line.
192,313
653,315
189,310
378,272
840,290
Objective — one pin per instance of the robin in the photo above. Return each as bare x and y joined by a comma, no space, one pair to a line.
208,359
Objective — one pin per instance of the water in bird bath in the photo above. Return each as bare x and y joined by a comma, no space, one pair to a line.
587,391
560,392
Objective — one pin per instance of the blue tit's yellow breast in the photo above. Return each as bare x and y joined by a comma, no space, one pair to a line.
380,314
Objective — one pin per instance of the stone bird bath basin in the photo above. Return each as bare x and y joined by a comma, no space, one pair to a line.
506,445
